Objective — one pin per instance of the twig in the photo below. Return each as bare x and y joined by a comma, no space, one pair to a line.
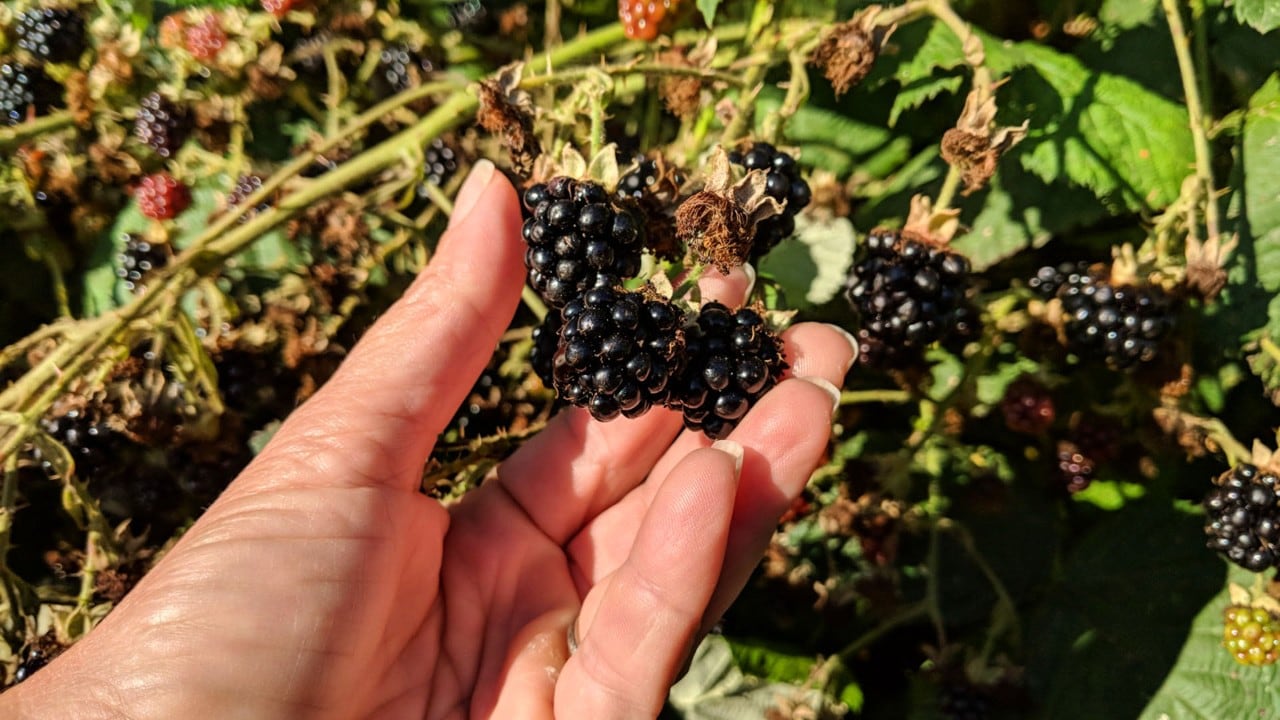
38,126
1196,115
860,397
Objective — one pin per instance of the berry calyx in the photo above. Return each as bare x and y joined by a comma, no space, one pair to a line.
577,236
618,352
1243,517
733,360
1251,634
161,197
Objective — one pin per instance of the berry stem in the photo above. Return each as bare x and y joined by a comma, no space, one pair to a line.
1195,112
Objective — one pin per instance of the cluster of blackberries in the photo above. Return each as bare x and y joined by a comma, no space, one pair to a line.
161,124
619,353
1122,323
51,34
908,295
136,259
577,239
26,90
1244,517
782,183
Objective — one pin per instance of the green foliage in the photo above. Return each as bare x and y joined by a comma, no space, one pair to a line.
1262,15
708,9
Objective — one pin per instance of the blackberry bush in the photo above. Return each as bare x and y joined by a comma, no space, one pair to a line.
51,34
784,184
618,352
733,359
161,124
908,296
1243,522
26,90
576,237
1251,635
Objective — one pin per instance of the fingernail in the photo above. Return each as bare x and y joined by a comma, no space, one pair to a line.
733,450
477,182
750,272
853,343
831,390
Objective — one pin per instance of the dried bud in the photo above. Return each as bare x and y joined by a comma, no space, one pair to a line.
975,145
848,50
506,109
718,224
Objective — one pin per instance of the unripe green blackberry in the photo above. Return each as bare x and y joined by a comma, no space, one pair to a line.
1243,517
1251,635
618,352
733,360
577,235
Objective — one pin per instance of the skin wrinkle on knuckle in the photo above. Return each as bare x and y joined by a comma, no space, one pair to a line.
617,684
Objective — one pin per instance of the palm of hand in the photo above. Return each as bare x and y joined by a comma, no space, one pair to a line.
322,584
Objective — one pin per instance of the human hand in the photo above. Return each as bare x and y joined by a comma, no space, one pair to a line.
323,584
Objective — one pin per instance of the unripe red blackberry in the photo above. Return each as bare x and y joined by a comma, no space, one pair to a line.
576,235
618,352
280,8
161,124
1027,407
1243,517
1251,635
1075,468
1123,324
161,197
733,360
205,38
908,295
51,34
782,183
25,90
138,258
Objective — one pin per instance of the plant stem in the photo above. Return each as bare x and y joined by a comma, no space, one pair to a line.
1196,115
38,126
860,397
947,192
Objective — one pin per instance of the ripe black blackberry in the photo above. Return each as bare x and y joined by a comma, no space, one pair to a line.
1243,522
138,258
1251,635
635,183
91,443
576,236
784,184
440,162
908,295
471,16
733,359
1122,323
963,701
161,124
26,90
618,352
400,68
546,340
245,186
1050,279
51,34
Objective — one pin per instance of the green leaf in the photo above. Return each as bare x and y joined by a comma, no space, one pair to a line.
102,289
811,124
708,9
1127,13
715,688
1261,15
1261,158
1127,144
812,266
1207,682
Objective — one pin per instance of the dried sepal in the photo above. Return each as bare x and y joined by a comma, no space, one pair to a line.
931,227
507,110
847,51
718,224
976,143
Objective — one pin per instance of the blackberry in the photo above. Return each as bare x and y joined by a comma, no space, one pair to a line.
472,17
733,359
1251,634
635,183
161,124
40,653
652,189
51,34
618,352
782,183
1243,521
962,701
576,236
908,295
89,441
1122,323
1075,468
400,68
205,39
161,196
440,162
26,90
1027,407
138,258
246,185
1050,279
546,340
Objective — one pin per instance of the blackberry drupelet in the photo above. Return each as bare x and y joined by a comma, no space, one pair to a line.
784,184
1251,634
908,295
546,340
138,258
618,352
733,359
1123,323
161,124
1243,521
25,90
576,236
1027,407
51,34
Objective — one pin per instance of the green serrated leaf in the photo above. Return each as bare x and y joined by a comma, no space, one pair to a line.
814,125
1207,682
1261,156
812,266
708,9
715,688
1127,144
1261,15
